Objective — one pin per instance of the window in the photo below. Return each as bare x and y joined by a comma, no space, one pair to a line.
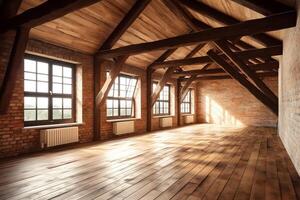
48,91
162,104
186,103
120,101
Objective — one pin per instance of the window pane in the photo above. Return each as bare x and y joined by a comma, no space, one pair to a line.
42,68
128,112
57,79
30,86
109,103
29,102
67,113
68,80
115,113
42,115
42,102
29,65
67,103
57,70
67,89
42,87
42,77
57,102
123,112
30,76
109,112
67,72
57,114
29,115
122,103
57,88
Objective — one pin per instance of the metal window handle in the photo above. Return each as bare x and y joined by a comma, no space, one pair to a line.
51,93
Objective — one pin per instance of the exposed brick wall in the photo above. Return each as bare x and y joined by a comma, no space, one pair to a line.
14,139
226,102
289,90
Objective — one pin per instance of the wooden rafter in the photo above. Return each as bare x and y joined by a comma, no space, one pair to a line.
227,20
269,51
243,81
9,9
45,12
266,7
270,23
120,61
13,67
223,46
126,22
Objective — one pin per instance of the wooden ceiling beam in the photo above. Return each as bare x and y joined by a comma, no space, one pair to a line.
271,23
256,67
115,71
214,14
265,7
244,82
45,12
126,22
223,46
269,51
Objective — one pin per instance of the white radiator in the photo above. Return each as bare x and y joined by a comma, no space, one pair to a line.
59,136
166,122
120,128
189,119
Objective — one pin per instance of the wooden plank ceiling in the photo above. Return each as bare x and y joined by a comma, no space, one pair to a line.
85,30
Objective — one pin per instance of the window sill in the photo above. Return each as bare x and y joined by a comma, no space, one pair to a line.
163,116
187,114
122,120
54,126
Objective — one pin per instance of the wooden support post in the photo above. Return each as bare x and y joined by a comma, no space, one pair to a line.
149,94
223,46
150,71
115,71
250,27
13,68
243,81
178,101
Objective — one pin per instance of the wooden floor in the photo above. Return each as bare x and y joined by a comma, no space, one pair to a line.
194,162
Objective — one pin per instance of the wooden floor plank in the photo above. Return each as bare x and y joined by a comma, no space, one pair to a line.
192,162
